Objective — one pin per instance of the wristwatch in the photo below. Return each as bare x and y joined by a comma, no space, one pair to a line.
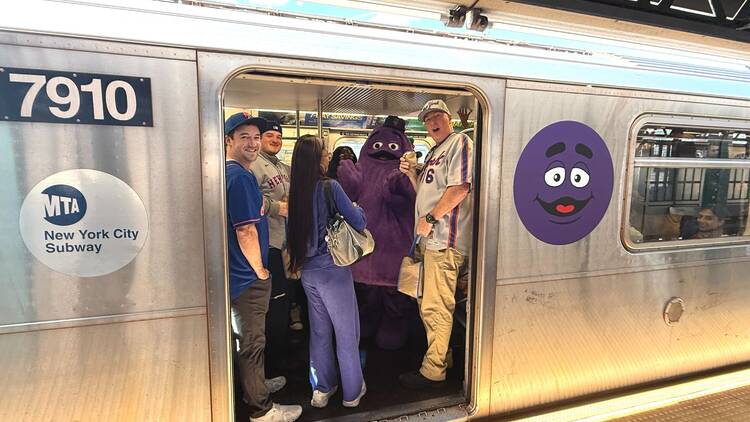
430,219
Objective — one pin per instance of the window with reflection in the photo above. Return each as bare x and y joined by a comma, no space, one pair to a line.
690,182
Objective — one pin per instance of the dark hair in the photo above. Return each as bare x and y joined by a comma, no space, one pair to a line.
333,167
306,173
718,210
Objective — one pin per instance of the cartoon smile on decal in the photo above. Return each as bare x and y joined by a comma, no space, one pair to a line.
564,207
563,182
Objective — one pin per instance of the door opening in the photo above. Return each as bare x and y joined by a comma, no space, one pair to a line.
343,114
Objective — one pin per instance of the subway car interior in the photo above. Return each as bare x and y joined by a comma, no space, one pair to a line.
350,110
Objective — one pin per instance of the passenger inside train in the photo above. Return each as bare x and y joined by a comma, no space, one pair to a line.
689,183
710,223
342,152
405,360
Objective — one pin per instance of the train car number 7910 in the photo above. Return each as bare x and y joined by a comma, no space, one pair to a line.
66,97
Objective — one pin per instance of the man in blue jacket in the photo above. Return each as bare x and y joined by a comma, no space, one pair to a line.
249,279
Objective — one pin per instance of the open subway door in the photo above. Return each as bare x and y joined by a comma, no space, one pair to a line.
349,111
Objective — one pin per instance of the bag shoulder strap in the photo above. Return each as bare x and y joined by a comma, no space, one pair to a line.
414,245
328,192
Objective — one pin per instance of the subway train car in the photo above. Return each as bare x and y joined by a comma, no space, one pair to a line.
610,246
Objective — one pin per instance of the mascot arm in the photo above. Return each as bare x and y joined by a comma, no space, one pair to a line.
350,178
399,186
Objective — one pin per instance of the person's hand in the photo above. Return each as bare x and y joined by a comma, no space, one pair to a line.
405,167
264,274
423,227
463,114
346,155
283,208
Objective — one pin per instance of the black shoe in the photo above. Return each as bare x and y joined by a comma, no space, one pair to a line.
416,381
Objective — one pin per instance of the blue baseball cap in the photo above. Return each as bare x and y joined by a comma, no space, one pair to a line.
272,125
243,118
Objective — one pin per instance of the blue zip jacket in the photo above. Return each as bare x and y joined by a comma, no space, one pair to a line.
317,250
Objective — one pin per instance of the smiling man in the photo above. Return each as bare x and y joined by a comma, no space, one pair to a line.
249,280
443,223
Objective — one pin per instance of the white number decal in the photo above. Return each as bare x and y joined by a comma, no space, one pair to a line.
95,88
37,82
130,104
73,99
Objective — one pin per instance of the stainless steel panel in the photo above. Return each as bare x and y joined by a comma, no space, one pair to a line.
96,46
214,71
162,165
555,58
529,110
101,320
155,370
587,317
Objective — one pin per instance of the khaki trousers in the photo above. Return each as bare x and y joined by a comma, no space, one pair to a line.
441,269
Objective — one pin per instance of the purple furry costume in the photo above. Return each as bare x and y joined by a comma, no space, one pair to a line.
387,197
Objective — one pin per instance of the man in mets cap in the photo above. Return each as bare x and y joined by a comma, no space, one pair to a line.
443,225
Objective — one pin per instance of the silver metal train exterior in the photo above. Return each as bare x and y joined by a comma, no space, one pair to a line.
549,323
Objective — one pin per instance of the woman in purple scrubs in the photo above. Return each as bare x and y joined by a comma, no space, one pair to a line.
332,304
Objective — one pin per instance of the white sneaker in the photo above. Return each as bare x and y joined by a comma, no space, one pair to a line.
275,384
355,402
280,413
320,399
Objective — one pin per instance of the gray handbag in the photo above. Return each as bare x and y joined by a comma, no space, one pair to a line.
345,244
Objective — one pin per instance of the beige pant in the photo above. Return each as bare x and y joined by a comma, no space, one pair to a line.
441,269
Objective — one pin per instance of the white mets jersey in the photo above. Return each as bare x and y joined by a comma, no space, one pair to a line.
447,164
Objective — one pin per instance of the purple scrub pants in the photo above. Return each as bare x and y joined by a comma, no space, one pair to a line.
332,307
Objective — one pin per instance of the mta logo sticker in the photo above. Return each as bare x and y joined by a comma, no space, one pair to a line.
64,205
563,182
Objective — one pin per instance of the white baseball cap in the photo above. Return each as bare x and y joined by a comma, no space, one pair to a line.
434,105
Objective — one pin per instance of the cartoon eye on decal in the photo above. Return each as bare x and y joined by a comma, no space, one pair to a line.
377,145
393,146
579,177
555,176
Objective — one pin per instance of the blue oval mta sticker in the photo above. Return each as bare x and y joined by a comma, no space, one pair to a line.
64,205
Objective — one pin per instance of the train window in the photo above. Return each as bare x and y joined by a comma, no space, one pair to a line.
690,183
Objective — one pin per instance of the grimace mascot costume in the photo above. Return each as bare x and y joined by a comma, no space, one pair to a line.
387,197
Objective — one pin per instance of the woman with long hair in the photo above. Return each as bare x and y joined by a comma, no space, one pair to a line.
340,153
332,305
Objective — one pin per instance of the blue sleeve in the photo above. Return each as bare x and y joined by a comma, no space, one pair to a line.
243,201
353,215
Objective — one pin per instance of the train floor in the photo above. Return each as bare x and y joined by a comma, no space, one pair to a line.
385,396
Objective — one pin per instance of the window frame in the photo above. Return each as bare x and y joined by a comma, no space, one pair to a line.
634,163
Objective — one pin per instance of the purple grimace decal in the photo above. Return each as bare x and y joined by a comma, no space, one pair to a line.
563,182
